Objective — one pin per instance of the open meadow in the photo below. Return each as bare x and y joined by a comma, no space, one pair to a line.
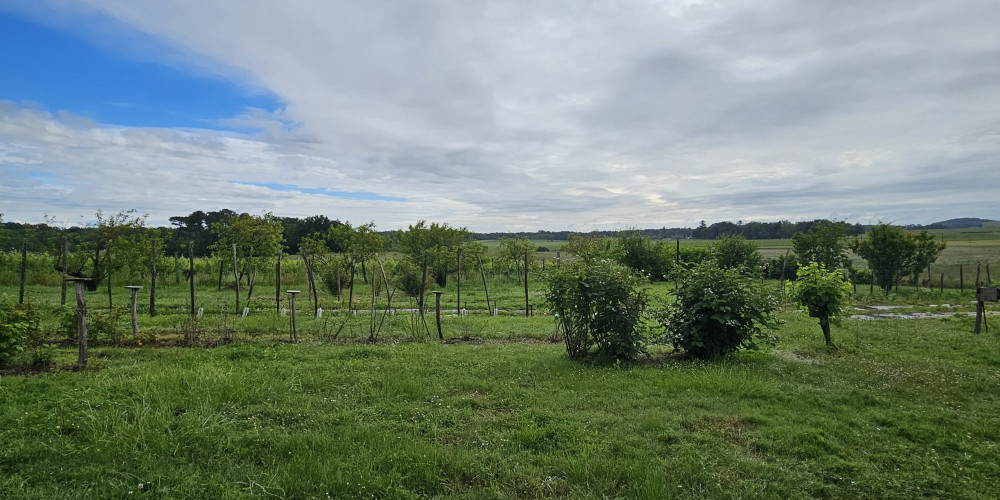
373,404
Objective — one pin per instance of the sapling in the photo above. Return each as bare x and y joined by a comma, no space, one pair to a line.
824,294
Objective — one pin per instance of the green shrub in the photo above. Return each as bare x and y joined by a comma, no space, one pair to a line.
824,294
599,305
18,324
717,312
102,326
737,253
649,258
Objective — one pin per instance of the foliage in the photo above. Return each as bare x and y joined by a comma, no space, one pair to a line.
892,253
18,324
736,253
717,312
256,237
781,267
825,244
824,294
512,253
408,277
593,247
652,259
598,303
437,244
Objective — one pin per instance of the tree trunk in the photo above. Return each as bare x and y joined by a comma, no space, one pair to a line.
824,323
81,326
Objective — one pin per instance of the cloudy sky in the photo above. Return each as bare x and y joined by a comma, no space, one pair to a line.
502,115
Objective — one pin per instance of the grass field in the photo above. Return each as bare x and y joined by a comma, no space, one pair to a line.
904,409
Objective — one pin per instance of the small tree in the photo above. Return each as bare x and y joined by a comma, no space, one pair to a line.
717,312
598,304
736,253
825,244
824,294
893,253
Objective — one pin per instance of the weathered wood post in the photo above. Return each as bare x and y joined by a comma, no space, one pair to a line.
65,264
437,312
979,266
152,282
24,270
294,334
527,308
458,301
135,319
277,283
236,278
482,270
81,322
961,278
191,274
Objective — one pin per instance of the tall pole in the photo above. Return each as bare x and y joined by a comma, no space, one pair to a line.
527,308
277,283
81,323
458,304
65,263
294,334
24,270
152,282
135,317
191,274
437,313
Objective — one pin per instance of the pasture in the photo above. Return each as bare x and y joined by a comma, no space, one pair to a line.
223,406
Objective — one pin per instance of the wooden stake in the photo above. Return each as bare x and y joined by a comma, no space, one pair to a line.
482,270
191,274
437,313
81,323
458,301
277,283
236,276
135,317
152,282
294,334
961,278
527,310
65,263
24,270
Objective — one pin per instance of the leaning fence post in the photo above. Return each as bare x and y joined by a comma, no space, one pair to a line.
437,312
81,322
293,335
135,320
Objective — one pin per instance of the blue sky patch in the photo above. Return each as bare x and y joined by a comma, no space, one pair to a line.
346,195
63,72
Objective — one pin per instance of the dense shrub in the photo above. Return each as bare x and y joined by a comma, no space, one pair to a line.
649,258
599,305
717,312
736,253
18,324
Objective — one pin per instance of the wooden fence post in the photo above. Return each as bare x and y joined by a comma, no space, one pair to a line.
961,278
191,274
81,322
135,319
458,301
152,282
294,334
482,270
527,310
437,312
277,283
65,263
24,270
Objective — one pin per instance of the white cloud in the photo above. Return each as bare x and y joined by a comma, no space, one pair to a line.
528,115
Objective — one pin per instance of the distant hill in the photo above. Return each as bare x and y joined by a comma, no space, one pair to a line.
960,223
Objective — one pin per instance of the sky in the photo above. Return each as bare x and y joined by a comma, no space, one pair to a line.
502,115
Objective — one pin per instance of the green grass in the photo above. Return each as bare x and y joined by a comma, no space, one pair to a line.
904,409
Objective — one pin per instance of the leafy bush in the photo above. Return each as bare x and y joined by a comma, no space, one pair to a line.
718,311
18,324
737,253
598,304
102,326
653,259
824,294
781,267
408,277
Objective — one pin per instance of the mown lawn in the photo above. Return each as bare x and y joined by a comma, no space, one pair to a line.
904,409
